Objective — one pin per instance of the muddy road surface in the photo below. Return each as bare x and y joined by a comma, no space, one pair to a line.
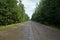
30,31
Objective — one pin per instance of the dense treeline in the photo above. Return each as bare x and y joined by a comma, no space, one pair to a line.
48,12
11,13
22,17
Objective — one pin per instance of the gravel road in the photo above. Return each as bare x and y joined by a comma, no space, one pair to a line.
30,31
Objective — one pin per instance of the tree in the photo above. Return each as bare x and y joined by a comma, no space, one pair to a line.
22,15
11,13
48,12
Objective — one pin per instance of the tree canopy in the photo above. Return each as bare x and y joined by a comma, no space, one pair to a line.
48,12
11,13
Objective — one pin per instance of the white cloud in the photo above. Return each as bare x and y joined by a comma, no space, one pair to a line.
30,6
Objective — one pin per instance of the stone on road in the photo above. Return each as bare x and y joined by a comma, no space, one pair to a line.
30,31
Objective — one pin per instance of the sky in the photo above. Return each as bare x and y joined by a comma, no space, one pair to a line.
30,6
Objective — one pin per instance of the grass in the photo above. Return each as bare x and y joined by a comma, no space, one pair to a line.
50,25
53,26
8,26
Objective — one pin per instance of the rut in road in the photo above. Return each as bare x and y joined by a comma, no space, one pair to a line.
30,31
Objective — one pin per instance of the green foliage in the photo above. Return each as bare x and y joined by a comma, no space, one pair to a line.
21,15
48,12
10,12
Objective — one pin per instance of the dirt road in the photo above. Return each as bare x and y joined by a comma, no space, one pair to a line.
30,31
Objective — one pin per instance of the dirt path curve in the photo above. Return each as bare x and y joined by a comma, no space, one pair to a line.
30,31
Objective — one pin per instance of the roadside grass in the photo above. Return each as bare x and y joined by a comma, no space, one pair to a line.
53,26
57,27
8,26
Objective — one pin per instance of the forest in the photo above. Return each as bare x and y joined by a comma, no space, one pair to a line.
48,13
11,12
